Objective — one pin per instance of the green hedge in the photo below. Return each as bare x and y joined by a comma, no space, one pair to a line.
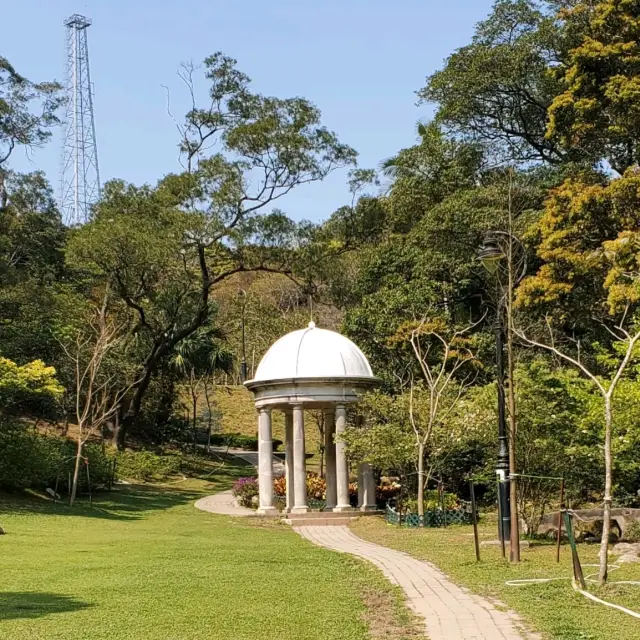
239,441
30,460
147,466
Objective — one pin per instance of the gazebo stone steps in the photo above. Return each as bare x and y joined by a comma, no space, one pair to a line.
326,518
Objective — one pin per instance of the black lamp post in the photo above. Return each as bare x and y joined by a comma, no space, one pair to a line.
243,363
491,255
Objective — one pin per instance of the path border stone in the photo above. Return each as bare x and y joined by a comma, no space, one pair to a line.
449,611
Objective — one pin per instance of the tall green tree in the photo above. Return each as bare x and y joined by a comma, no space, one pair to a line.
497,90
598,111
164,249
590,248
28,111
32,271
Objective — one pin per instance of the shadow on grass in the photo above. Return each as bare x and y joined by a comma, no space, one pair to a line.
24,604
125,502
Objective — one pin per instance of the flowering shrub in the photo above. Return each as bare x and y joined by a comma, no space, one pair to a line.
245,490
280,487
386,492
316,487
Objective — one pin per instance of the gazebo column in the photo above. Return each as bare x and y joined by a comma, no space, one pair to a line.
299,462
342,469
330,459
367,500
366,481
288,458
265,463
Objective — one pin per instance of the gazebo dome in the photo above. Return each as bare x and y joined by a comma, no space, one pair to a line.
313,353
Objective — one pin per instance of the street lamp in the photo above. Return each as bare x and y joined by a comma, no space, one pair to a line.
243,363
491,255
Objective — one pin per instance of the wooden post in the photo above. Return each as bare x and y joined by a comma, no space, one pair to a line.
442,505
86,464
559,535
500,525
474,517
577,567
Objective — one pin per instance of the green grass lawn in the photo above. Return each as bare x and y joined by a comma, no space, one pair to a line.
553,608
143,564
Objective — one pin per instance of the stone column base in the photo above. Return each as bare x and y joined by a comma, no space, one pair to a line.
267,511
304,509
343,508
368,507
329,507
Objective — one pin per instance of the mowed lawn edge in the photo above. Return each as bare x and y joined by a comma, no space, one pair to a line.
552,608
144,564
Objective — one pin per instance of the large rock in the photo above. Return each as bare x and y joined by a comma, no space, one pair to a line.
628,557
587,523
623,548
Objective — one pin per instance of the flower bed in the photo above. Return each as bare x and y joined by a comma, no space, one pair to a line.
246,491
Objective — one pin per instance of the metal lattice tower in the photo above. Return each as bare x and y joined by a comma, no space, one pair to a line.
80,178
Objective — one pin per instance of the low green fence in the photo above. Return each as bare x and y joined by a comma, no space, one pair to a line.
437,518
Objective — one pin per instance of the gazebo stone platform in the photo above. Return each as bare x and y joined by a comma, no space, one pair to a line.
326,518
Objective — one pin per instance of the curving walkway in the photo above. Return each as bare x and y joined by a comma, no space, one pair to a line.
223,504
450,613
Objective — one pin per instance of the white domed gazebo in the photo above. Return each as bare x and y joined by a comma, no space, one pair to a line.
310,369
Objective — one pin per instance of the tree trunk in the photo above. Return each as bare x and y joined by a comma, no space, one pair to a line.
606,523
116,428
76,473
207,400
194,407
421,481
514,542
133,409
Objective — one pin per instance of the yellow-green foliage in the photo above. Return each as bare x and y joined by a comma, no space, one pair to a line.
33,379
589,244
600,107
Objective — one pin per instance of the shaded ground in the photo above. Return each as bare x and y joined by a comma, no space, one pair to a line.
144,564
553,607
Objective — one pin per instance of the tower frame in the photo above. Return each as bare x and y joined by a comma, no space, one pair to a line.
80,174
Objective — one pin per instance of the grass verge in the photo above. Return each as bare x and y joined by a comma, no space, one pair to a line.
143,564
552,608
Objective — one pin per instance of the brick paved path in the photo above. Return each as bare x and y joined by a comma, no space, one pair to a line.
450,612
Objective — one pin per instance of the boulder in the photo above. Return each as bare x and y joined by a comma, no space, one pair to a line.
623,548
628,557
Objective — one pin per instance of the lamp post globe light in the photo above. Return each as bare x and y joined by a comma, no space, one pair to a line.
491,255
497,247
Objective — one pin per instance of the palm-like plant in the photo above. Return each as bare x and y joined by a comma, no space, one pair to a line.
390,167
197,359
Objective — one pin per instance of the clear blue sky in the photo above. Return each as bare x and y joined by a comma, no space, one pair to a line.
359,61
